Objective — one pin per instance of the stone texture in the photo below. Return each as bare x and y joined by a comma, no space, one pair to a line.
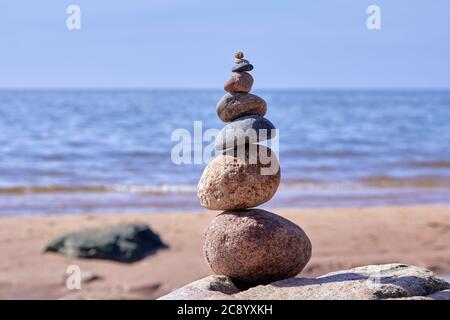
241,67
440,295
244,130
234,181
255,246
212,287
366,283
122,243
239,82
233,106
390,281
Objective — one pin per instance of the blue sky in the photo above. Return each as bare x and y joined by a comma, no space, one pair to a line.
190,44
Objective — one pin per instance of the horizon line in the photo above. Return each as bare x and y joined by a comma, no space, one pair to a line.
127,88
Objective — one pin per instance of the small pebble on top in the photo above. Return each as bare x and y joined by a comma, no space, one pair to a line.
239,55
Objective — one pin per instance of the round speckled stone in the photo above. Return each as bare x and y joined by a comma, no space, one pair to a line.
238,180
255,246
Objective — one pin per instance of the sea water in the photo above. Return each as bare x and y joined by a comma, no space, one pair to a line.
96,151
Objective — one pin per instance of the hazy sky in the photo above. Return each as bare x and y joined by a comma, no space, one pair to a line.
187,43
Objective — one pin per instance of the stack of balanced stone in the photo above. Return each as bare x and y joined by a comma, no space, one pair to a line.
251,246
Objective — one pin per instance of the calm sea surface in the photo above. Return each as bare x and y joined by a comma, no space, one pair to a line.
110,151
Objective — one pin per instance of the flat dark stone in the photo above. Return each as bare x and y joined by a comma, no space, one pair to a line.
122,243
242,67
244,130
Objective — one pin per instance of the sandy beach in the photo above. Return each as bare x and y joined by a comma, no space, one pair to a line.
342,238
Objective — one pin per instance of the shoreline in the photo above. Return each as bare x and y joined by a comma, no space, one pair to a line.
201,210
342,238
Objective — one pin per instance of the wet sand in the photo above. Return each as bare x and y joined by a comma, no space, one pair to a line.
341,238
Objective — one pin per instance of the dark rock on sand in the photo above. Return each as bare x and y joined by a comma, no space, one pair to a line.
122,243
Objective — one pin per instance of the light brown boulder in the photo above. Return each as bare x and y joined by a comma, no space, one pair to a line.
371,282
255,247
233,106
374,282
239,82
236,181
